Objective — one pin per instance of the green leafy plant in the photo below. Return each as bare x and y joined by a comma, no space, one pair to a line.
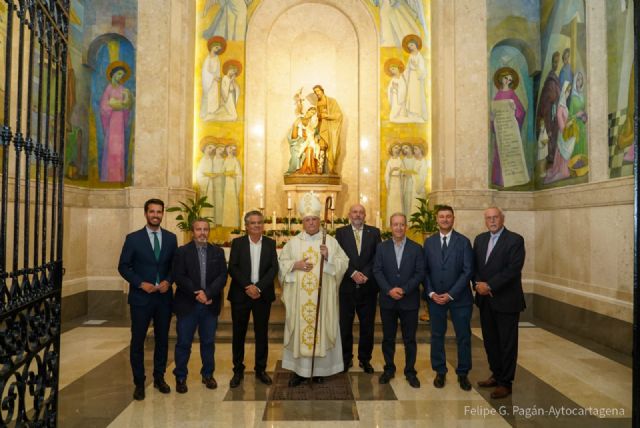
190,211
424,219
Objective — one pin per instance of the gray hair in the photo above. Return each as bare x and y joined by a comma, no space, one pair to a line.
250,214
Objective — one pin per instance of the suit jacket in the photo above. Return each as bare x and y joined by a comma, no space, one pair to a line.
186,269
240,269
451,274
407,277
502,271
138,264
362,262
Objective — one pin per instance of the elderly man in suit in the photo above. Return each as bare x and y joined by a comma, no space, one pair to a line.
253,265
399,269
145,263
358,289
201,272
448,260
499,258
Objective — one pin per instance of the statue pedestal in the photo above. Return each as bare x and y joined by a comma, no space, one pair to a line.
295,192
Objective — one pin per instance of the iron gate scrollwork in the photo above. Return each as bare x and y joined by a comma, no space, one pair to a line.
33,57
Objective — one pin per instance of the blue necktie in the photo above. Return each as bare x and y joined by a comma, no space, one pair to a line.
156,252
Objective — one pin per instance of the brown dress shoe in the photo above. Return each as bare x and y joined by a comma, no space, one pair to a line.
489,383
210,382
501,392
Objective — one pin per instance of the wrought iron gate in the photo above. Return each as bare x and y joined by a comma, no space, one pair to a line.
33,58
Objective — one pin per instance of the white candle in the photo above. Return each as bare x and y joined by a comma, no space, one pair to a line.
274,220
333,203
261,202
378,220
289,206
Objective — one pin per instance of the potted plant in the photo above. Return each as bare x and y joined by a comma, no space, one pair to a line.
424,219
190,211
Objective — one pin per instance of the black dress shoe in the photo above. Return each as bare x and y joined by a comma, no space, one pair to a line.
296,380
138,393
463,380
210,382
366,367
440,380
264,378
348,365
385,377
161,385
181,386
236,379
318,379
414,381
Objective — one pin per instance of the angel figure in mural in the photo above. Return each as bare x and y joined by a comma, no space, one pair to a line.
506,81
421,168
393,180
396,91
415,75
408,173
229,92
210,177
329,130
232,188
211,77
399,18
230,21
566,139
115,104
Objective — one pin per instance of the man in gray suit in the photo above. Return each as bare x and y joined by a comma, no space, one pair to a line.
448,260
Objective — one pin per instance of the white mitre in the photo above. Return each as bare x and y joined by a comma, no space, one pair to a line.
309,205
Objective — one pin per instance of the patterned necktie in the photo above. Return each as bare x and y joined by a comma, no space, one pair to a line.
492,243
156,252
358,240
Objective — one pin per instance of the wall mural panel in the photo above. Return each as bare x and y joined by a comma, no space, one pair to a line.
102,87
620,59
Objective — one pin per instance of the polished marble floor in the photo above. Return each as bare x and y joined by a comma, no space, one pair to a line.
559,383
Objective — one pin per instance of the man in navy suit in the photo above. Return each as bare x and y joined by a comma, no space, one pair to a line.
253,265
358,289
200,271
448,260
399,269
145,263
499,258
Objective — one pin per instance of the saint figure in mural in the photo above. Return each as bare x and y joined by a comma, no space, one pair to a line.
506,80
393,176
232,188
396,91
408,172
210,177
211,76
566,73
230,21
329,130
415,75
566,139
421,168
577,112
399,18
547,105
229,92
115,105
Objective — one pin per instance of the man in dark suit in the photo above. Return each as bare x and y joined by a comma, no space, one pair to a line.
200,271
499,257
253,265
145,263
399,269
448,260
358,289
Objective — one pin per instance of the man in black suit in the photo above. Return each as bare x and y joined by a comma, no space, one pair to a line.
499,257
399,269
200,271
358,289
253,265
448,260
145,263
